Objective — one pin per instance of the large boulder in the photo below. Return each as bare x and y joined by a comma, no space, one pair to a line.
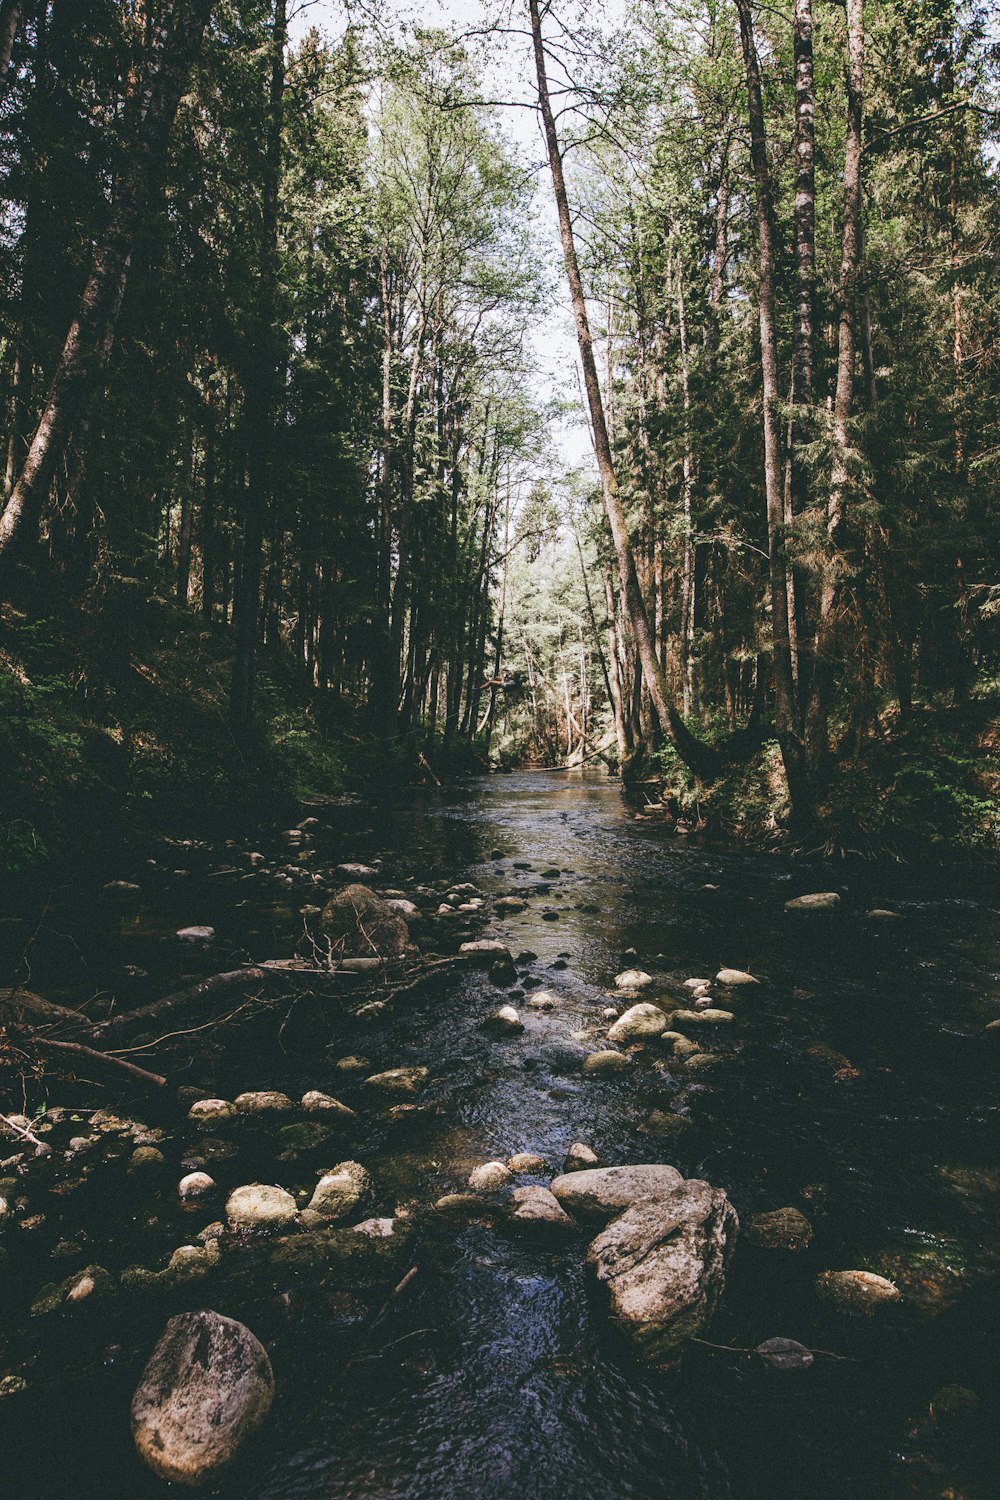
205,1392
360,924
664,1264
605,1191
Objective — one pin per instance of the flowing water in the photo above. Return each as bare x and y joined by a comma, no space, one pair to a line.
855,1085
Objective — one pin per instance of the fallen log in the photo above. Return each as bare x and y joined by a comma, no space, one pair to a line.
77,1049
233,979
18,1006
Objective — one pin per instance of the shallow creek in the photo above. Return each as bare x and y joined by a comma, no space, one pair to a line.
854,1085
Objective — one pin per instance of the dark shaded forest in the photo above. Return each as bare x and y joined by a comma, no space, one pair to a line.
285,505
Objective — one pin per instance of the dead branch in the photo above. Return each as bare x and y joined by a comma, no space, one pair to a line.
201,991
77,1049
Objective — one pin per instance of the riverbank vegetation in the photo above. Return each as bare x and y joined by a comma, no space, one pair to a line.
282,502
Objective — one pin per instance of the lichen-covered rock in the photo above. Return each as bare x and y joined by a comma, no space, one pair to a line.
664,1265
316,1103
339,1192
260,1206
605,1191
211,1112
206,1390
639,1023
264,1102
397,1083
362,925
782,1229
858,1292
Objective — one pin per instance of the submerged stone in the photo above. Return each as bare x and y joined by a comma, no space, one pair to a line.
857,1292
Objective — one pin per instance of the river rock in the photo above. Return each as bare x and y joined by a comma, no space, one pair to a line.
543,1000
146,1159
125,892
606,1191
397,1083
259,1206
666,1123
882,914
316,1103
638,1023
199,935
462,1206
858,1292
490,1177
683,1047
510,904
710,1016
486,951
362,925
505,1021
632,979
697,984
405,908
88,1287
526,1161
539,1208
209,1112
338,1193
580,1157
194,1186
352,1064
818,901
735,977
600,1064
664,1264
264,1102
206,1390
784,1355
781,1229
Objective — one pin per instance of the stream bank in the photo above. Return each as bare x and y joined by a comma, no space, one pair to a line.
854,1085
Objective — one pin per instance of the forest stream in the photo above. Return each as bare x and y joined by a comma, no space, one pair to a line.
854,1085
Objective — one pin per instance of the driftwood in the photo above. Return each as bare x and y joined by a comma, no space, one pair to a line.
213,986
77,1049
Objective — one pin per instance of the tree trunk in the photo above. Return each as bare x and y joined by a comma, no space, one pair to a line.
784,695
818,714
261,384
702,759
79,373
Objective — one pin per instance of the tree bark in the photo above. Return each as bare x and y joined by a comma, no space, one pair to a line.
79,372
818,713
784,693
702,759
261,384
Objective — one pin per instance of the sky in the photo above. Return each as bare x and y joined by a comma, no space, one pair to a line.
509,77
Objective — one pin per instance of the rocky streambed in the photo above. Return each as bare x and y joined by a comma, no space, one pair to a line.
540,1155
